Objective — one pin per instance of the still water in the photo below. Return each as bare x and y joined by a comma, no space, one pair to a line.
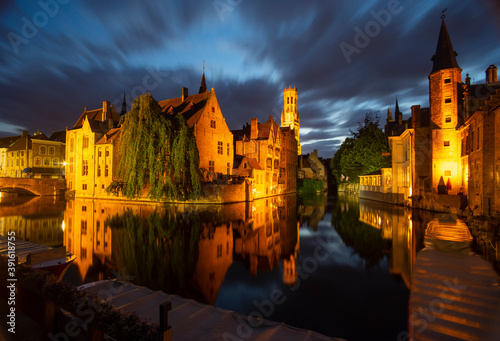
343,265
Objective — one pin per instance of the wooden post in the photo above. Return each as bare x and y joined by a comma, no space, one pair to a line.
165,329
49,316
94,333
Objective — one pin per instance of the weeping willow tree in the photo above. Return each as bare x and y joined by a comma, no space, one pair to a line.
186,161
158,152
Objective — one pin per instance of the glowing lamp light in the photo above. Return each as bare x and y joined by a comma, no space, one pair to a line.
63,226
64,163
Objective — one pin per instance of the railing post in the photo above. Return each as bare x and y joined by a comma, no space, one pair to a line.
166,330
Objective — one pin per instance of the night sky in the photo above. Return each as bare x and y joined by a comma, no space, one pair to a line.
59,56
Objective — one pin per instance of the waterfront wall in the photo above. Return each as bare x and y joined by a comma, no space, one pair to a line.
351,188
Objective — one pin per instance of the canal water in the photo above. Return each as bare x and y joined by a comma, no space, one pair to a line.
340,266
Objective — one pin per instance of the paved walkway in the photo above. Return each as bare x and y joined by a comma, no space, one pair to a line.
455,294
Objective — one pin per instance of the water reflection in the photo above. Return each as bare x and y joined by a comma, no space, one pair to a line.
181,249
34,219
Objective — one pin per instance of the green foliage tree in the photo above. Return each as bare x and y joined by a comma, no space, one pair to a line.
158,152
362,153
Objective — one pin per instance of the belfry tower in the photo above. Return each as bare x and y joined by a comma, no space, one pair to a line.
290,115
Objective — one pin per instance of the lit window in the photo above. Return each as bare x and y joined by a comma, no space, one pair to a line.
51,151
54,163
220,148
211,166
212,124
46,162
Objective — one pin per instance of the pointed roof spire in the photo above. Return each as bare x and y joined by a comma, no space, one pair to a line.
203,85
397,108
445,56
124,104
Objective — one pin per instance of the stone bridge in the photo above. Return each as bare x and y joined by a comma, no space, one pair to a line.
42,187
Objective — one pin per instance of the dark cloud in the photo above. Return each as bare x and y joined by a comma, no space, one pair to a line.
88,53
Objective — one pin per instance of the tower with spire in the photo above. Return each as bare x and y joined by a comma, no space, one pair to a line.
445,95
203,84
124,105
290,115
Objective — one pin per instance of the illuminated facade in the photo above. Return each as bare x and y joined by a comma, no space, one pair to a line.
213,137
448,157
35,155
267,157
82,153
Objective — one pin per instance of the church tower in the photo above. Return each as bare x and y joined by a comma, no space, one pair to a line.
290,115
445,94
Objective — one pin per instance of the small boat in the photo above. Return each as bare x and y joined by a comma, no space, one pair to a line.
447,233
55,260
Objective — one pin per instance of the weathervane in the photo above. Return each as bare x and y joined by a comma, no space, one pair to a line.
442,13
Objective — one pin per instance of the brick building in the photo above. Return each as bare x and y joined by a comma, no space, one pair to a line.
213,137
448,156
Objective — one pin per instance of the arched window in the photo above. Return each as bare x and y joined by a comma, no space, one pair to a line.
42,150
55,162
52,150
46,162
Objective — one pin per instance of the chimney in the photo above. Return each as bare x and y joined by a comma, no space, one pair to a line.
25,133
105,110
415,116
184,93
254,129
491,74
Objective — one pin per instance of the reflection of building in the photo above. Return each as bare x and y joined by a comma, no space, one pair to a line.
44,229
270,235
400,225
313,212
35,155
215,255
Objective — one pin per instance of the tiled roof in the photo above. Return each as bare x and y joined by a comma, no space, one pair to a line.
191,108
6,142
23,143
110,136
59,136
96,116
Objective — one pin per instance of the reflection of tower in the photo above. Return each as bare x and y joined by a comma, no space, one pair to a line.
215,255
290,115
290,270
